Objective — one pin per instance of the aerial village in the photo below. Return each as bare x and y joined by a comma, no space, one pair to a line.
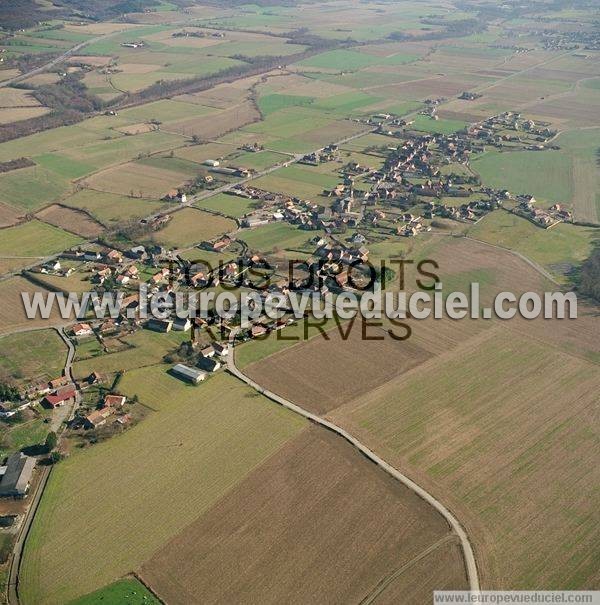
421,179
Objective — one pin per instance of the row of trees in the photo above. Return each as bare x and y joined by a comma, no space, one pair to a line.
589,283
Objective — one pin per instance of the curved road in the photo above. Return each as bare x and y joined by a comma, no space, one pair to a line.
471,565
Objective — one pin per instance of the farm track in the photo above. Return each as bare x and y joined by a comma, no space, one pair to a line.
467,549
380,588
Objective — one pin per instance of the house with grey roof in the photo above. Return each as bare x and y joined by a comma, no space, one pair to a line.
15,477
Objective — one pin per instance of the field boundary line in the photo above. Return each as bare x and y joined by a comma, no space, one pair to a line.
468,554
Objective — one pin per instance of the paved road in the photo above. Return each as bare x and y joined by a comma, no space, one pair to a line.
70,354
230,186
471,565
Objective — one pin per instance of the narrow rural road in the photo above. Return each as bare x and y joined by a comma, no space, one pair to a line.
470,563
15,562
70,354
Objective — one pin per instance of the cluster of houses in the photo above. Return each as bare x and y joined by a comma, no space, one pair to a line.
55,393
198,33
511,128
545,218
110,405
327,154
469,96
579,38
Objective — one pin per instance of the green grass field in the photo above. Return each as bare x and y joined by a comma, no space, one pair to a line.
110,207
342,60
130,591
63,166
347,103
275,235
156,479
119,148
427,124
259,160
274,102
35,238
256,48
147,348
50,141
300,181
231,205
24,435
562,245
31,188
190,226
544,174
29,356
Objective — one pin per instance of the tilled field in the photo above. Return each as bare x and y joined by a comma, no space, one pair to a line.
315,523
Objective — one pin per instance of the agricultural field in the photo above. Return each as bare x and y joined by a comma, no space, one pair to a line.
110,208
213,126
560,249
184,457
67,168
426,124
304,182
191,226
35,239
300,130
130,591
144,348
318,501
256,350
275,236
544,174
9,215
229,205
217,493
30,357
456,401
137,180
27,434
355,366
73,221
12,312
31,188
